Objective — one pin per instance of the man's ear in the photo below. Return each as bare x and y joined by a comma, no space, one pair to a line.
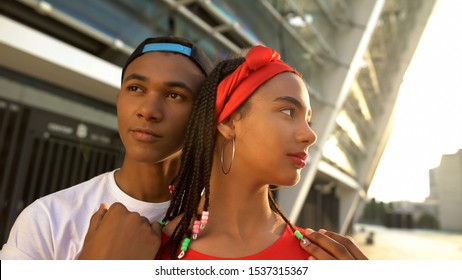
226,129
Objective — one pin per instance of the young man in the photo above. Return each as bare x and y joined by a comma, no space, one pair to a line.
159,85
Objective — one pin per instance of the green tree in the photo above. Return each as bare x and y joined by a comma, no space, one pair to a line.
427,221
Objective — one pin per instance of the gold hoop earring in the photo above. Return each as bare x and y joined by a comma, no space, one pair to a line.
223,156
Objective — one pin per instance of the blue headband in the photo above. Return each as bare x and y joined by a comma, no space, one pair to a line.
167,47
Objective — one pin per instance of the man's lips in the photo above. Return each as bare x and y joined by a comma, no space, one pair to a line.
144,135
299,158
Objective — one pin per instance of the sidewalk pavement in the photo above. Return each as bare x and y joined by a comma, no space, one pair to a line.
408,244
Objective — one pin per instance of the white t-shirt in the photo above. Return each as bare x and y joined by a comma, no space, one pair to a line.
54,227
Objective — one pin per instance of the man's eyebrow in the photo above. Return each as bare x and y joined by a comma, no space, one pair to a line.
289,99
179,85
135,76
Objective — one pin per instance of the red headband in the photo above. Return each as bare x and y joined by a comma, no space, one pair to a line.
260,65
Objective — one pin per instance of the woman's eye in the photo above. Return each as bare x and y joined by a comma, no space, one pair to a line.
289,112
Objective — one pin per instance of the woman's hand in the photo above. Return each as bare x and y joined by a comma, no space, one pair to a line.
327,245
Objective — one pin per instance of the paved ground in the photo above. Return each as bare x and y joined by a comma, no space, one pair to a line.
408,244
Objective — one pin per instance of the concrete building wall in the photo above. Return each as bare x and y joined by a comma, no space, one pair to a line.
447,181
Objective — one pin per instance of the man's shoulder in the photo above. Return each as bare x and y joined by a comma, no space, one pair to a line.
54,226
65,201
89,186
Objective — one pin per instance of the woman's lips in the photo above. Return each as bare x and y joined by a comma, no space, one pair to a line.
299,158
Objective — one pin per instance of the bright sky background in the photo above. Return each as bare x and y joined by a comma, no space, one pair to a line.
428,116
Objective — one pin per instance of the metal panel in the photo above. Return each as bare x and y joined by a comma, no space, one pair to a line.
43,153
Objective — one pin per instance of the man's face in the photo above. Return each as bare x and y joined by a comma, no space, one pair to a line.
153,107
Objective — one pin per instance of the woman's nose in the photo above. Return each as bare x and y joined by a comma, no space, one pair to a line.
307,135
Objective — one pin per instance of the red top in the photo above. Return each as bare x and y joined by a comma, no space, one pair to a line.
287,247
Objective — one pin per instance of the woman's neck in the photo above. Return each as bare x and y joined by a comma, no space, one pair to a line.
240,222
239,206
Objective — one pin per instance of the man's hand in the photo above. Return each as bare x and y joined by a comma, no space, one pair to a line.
118,234
327,245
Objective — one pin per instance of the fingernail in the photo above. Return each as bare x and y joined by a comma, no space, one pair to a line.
311,258
322,231
308,231
305,242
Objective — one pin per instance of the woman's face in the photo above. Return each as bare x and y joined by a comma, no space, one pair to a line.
273,135
153,107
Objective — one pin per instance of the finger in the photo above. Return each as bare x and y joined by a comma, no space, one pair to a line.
118,207
95,220
97,217
117,211
329,245
156,228
315,251
348,242
142,219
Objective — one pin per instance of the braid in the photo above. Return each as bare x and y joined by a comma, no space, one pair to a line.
197,156
275,207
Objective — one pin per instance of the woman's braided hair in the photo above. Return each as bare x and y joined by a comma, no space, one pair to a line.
197,157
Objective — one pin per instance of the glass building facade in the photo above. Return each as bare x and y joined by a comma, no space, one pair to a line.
60,65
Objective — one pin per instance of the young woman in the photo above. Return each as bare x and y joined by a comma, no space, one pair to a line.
250,129
160,81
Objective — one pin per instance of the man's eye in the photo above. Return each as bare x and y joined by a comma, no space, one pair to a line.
134,88
175,96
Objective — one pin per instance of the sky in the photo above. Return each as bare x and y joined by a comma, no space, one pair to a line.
428,112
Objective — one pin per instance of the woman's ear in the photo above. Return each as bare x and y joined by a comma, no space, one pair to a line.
226,129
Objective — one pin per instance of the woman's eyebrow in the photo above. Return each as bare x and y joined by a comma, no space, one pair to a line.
289,99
